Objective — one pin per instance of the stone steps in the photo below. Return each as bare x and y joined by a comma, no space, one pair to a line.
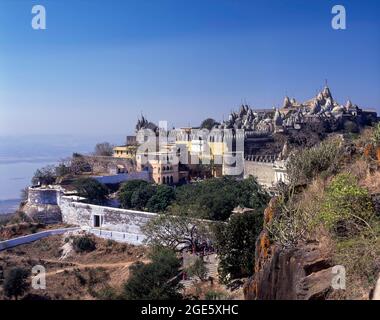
211,263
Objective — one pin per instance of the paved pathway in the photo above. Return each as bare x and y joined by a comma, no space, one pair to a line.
77,265
10,243
211,262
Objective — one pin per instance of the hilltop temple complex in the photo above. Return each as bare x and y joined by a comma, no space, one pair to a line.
293,115
265,137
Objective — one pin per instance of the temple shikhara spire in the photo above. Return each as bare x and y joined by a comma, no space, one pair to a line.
293,115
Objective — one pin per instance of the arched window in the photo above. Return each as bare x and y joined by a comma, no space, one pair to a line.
171,179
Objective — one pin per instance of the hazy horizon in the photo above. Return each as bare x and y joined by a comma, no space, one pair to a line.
21,156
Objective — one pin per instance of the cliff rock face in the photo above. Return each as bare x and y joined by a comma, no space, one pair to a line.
300,273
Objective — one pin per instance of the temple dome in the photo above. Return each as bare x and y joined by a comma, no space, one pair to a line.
287,102
316,107
349,104
277,118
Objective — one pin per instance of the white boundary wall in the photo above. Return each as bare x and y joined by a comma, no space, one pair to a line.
117,224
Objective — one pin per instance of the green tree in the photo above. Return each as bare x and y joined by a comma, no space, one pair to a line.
251,195
163,197
235,242
215,198
141,196
126,192
209,123
157,280
15,283
91,189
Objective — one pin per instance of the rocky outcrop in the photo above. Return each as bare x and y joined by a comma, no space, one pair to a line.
300,273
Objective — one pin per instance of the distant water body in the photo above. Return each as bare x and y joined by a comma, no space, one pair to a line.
14,176
20,157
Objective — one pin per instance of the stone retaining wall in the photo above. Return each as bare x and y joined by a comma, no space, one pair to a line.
263,171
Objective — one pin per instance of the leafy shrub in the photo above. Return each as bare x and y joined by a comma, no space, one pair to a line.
97,275
82,280
33,229
157,280
290,226
15,282
347,207
341,207
294,214
305,164
376,134
84,244
360,256
106,293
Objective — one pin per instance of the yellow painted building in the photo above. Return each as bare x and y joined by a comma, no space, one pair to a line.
125,152
191,146
208,147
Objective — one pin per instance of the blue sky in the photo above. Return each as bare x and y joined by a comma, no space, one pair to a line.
101,63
